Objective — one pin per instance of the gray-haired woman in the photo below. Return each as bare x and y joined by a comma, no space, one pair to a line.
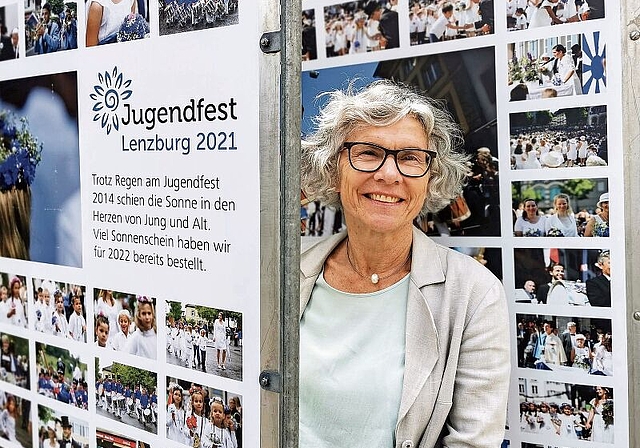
407,338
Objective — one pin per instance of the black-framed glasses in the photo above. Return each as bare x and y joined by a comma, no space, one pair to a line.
369,157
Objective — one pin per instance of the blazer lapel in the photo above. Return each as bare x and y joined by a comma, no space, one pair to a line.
421,351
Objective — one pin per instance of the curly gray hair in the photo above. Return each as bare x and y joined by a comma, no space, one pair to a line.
382,103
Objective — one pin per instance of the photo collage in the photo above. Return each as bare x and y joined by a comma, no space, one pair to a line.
528,88
93,361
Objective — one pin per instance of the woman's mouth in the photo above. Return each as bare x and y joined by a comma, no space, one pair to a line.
383,198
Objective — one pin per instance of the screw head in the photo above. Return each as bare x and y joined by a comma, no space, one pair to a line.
634,35
265,42
636,315
264,381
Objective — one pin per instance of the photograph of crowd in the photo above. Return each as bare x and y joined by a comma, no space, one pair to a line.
177,16
433,21
571,138
9,32
125,322
50,26
578,346
61,375
127,394
13,300
14,365
464,81
556,67
199,415
15,420
566,411
526,14
109,439
206,339
38,149
58,430
309,46
59,309
564,277
109,22
361,27
561,208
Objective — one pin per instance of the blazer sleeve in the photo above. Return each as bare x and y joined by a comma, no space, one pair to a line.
478,414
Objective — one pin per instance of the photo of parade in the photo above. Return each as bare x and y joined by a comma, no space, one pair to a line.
464,81
562,277
177,16
13,300
361,27
109,439
59,430
14,366
566,411
109,22
127,394
557,66
50,26
571,138
59,309
198,415
309,45
433,21
561,208
523,14
206,339
38,149
9,32
578,346
125,322
15,420
62,375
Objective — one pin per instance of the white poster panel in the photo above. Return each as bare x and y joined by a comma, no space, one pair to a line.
535,92
129,203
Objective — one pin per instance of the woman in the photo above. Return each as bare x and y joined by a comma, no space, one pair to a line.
52,441
598,225
220,341
530,157
430,360
601,416
530,223
603,357
104,18
562,222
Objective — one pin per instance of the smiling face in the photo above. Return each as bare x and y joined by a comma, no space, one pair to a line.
384,201
561,205
531,208
217,413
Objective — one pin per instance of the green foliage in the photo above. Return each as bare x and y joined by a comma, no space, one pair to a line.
50,360
45,414
175,310
20,345
578,188
57,6
575,116
133,376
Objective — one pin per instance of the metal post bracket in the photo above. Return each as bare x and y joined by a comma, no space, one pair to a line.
271,381
271,42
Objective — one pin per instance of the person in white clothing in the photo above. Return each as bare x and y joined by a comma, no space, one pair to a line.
119,341
77,322
562,222
59,324
143,342
220,341
13,310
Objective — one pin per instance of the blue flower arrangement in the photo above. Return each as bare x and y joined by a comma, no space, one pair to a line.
20,152
134,27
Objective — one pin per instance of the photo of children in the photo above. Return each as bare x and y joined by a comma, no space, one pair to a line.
522,15
126,394
15,420
14,360
13,300
579,346
50,27
561,208
62,375
572,138
566,411
39,148
361,27
206,339
562,277
125,322
59,309
199,415
58,430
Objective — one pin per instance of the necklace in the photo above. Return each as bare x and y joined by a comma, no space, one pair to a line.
375,278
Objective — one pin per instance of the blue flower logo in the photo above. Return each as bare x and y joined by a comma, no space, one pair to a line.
108,95
594,56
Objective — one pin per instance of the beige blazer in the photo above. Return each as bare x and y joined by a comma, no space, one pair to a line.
457,361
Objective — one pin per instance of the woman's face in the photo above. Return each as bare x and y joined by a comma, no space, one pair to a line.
531,208
385,200
561,205
145,312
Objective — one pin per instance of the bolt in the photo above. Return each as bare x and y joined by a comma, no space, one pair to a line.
634,35
636,315
264,381
265,42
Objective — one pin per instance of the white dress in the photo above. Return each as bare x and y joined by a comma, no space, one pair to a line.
600,432
143,343
532,161
566,225
538,16
220,335
113,14
111,313
8,426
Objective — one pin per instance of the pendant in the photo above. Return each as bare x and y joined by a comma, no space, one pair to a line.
375,279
